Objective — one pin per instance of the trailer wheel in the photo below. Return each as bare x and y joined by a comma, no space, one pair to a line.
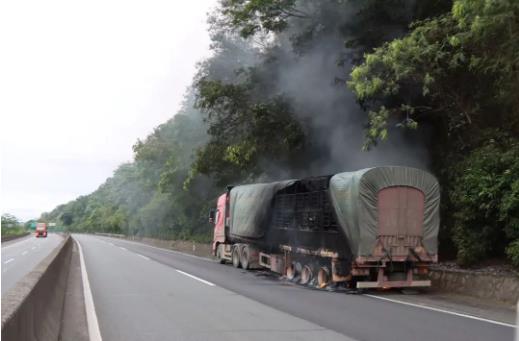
244,260
306,274
236,256
323,277
292,271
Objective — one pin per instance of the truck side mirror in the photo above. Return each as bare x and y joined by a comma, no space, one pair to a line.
212,213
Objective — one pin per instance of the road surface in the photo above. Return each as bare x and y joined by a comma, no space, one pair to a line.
142,292
20,256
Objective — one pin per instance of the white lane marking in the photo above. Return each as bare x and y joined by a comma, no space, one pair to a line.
122,248
442,311
24,253
33,248
197,278
111,244
142,256
93,326
9,260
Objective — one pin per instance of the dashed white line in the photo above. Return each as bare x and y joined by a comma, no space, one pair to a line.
197,278
441,310
24,253
9,260
122,248
142,256
93,326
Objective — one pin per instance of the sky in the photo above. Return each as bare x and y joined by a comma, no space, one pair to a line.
80,82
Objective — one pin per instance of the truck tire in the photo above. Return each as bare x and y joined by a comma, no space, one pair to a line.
245,257
307,274
323,277
236,256
292,271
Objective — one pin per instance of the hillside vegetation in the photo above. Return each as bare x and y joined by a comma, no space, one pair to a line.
299,87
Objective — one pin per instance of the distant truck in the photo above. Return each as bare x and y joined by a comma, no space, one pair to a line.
373,228
41,230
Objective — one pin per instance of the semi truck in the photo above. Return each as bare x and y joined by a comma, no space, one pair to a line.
372,228
41,230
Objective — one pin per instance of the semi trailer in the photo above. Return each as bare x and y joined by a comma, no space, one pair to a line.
372,228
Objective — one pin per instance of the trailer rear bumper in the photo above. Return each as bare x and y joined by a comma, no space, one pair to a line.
394,284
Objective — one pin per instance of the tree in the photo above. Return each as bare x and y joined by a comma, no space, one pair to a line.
458,71
9,220
244,130
485,202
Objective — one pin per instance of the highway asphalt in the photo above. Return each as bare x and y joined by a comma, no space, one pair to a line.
141,292
20,256
137,298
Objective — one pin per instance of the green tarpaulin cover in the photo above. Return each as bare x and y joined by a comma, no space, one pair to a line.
354,196
250,207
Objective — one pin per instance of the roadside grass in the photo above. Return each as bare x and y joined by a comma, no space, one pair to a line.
13,231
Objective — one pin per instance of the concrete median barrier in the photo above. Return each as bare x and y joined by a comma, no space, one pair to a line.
33,309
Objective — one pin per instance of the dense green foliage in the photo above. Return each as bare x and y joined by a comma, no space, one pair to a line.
241,130
458,71
11,226
485,201
270,103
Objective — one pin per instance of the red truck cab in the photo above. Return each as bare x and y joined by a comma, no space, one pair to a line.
218,218
41,230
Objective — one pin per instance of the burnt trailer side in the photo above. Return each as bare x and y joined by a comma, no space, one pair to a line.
304,227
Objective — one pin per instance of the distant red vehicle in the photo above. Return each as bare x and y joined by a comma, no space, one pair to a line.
41,230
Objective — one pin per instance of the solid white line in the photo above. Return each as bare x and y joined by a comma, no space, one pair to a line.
9,260
24,253
122,248
197,278
441,311
142,256
93,326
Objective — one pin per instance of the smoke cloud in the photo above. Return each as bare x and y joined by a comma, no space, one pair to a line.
314,82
